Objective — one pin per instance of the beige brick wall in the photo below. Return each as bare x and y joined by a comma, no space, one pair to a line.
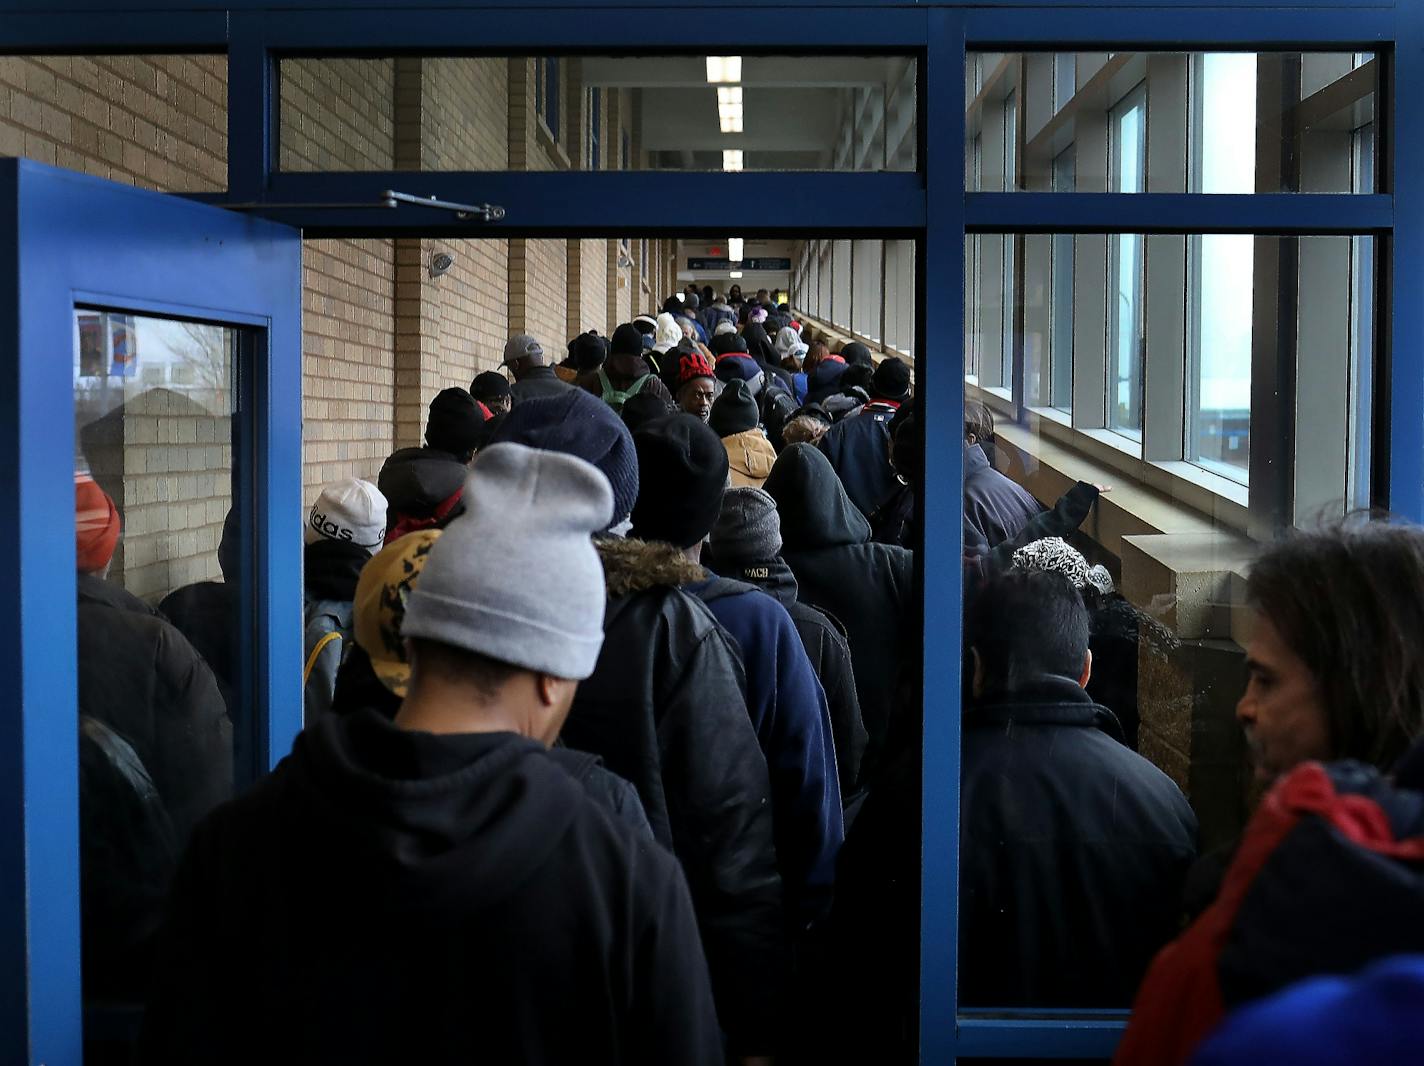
348,366
155,121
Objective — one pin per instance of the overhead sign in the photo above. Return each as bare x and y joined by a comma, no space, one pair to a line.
741,264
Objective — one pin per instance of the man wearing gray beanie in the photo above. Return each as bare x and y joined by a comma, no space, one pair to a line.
745,544
452,849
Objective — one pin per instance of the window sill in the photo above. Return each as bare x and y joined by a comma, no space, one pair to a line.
1176,561
546,140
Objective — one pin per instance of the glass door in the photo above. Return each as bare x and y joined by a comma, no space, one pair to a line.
151,568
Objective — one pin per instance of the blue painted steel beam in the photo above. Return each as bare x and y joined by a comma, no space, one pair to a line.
605,203
1406,323
1035,1038
29,31
1317,213
251,112
613,30
694,10
1006,26
940,365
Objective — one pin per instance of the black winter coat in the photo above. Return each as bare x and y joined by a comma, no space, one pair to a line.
665,708
537,382
869,587
996,508
1073,852
393,896
140,677
858,447
826,645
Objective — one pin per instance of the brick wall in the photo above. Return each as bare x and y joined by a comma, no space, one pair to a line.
339,114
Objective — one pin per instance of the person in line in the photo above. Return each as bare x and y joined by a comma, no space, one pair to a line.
996,508
665,708
140,677
1325,876
499,907
206,612
869,587
626,373
491,389
696,385
155,755
1074,847
859,446
1121,637
807,425
784,699
736,419
346,524
823,373
587,352
454,425
642,409
715,312
423,487
745,544
524,358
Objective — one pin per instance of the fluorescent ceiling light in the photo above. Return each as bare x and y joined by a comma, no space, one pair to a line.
731,159
734,249
729,108
724,68
734,274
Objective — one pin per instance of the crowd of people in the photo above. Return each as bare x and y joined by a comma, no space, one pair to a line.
613,750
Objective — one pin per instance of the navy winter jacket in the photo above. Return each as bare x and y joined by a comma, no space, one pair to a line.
793,724
858,447
995,508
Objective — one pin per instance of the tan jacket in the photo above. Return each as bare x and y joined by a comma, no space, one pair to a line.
750,455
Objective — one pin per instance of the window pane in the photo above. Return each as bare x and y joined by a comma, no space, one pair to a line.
1221,353
1064,901
441,113
1210,122
160,573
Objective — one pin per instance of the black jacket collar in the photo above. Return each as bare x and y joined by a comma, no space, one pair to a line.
772,576
1049,700
333,568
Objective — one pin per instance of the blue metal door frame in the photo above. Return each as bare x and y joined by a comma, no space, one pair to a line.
931,206
80,240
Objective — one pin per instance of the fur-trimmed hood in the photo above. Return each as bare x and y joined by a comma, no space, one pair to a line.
631,565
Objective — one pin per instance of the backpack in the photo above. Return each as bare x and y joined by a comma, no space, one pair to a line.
1328,877
326,644
616,398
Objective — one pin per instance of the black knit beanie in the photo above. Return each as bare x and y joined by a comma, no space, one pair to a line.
857,354
734,411
682,471
454,423
626,341
726,343
491,385
589,350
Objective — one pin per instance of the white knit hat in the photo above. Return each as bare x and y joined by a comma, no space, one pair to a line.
350,510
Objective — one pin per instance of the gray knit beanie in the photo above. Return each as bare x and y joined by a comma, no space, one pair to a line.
516,577
748,527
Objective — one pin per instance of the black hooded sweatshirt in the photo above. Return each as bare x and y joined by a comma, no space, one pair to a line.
393,896
868,586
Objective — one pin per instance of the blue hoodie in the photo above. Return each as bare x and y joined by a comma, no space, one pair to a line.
793,724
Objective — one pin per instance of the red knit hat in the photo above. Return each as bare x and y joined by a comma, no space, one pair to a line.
96,525
692,365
